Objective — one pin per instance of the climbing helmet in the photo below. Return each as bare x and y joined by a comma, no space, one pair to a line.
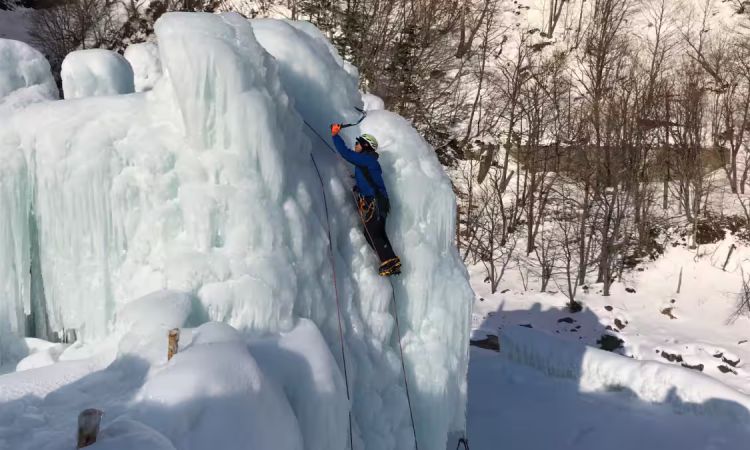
368,140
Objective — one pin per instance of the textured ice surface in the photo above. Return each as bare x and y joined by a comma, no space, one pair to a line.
205,187
144,59
96,72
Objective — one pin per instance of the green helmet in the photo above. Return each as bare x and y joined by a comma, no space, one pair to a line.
368,140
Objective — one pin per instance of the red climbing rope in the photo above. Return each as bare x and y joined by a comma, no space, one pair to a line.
338,303
403,368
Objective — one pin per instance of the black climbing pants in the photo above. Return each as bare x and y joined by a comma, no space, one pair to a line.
374,224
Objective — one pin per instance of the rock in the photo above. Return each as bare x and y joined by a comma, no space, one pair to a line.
730,362
608,308
719,355
724,369
668,312
630,290
504,291
698,367
609,342
619,324
481,299
671,357
566,320
744,341
491,342
527,325
673,301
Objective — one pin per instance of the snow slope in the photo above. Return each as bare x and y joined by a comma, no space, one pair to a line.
205,185
512,405
666,381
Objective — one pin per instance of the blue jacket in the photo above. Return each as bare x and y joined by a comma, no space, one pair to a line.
360,160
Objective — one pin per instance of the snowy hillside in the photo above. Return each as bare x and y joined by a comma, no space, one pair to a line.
206,203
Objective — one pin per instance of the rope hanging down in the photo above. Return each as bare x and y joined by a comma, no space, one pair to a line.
338,303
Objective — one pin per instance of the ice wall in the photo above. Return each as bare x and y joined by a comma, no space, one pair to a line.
25,79
205,185
433,295
96,72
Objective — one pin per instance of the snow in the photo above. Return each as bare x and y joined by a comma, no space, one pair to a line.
215,394
96,72
144,59
301,362
25,76
598,370
197,202
372,102
551,373
516,406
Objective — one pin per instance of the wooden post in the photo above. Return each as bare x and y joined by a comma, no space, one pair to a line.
174,340
88,426
679,281
729,255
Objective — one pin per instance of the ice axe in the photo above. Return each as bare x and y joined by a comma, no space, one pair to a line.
361,111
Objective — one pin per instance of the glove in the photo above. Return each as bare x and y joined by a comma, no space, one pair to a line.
335,128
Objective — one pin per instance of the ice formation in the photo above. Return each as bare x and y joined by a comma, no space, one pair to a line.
96,72
25,77
144,59
200,199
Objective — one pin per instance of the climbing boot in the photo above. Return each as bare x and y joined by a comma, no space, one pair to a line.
390,267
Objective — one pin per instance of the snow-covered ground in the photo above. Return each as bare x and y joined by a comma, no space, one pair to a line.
514,406
547,375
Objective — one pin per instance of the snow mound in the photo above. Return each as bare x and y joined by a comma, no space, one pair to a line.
301,362
127,434
216,396
597,370
146,63
25,76
96,72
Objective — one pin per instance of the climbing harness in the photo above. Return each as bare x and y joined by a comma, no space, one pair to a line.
366,209
338,303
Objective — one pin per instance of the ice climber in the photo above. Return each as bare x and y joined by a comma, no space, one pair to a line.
372,197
